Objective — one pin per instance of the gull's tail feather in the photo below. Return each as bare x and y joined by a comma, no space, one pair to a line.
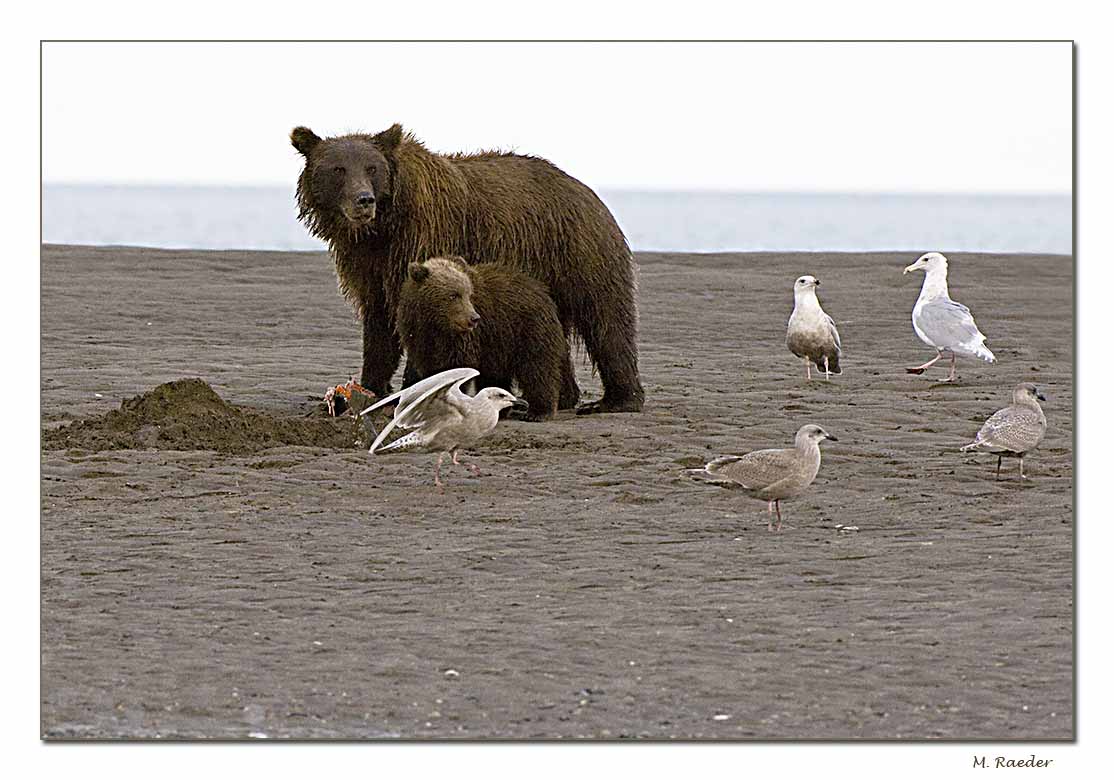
717,464
982,352
706,476
977,444
401,443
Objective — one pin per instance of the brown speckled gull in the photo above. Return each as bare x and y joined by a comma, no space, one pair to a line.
442,417
1013,431
812,334
774,475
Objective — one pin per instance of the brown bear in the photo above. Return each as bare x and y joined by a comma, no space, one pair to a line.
380,201
489,317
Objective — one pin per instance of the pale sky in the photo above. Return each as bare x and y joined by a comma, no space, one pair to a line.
749,116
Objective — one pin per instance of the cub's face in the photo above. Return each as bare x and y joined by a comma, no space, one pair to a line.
443,290
347,177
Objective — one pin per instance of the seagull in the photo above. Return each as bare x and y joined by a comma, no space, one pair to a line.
1013,431
774,475
941,322
812,334
442,417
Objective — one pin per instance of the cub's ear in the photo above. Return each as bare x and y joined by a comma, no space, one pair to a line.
304,140
418,272
459,261
389,139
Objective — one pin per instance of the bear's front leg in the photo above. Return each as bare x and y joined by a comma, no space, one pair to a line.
381,352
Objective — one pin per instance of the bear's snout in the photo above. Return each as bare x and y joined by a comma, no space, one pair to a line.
361,210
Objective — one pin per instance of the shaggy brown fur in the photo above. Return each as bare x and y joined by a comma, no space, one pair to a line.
489,317
380,201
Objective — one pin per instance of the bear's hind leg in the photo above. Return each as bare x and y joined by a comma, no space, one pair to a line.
610,338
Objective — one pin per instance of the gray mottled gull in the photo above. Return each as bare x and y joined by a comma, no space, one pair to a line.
774,475
1013,431
942,323
441,417
812,334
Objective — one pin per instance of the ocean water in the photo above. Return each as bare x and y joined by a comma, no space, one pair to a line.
266,218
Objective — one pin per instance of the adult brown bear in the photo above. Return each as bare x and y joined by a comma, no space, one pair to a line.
383,201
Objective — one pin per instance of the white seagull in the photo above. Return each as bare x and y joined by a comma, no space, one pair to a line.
812,334
942,323
441,417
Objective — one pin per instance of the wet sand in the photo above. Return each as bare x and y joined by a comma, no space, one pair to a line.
582,586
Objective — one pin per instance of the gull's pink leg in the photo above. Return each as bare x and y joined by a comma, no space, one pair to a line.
827,370
437,473
1021,466
777,506
471,466
921,369
769,515
808,370
951,375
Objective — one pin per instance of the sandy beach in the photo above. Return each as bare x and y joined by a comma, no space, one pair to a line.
582,586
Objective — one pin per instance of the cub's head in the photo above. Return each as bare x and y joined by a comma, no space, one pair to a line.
441,291
347,180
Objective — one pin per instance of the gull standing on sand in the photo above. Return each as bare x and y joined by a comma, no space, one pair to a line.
442,417
941,322
812,334
1014,431
774,475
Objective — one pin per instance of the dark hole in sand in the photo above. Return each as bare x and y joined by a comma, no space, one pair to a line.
189,415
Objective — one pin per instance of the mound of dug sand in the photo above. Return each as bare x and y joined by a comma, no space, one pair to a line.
189,415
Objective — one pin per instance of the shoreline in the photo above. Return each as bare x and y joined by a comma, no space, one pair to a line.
636,252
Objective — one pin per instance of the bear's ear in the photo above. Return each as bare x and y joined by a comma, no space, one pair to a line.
304,140
418,272
389,139
459,261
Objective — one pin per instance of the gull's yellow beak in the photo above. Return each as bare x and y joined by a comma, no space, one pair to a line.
912,267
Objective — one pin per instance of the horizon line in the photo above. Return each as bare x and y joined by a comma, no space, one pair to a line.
605,189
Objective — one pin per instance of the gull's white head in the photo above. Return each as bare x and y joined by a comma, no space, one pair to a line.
805,284
929,262
810,434
499,398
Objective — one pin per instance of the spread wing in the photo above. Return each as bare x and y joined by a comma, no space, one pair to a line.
437,398
410,394
947,323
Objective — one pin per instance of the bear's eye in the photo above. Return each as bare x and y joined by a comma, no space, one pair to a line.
338,169
371,170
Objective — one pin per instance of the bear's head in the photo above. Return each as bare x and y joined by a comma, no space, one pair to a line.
441,290
348,177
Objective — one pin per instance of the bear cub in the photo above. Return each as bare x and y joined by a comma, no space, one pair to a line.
489,317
